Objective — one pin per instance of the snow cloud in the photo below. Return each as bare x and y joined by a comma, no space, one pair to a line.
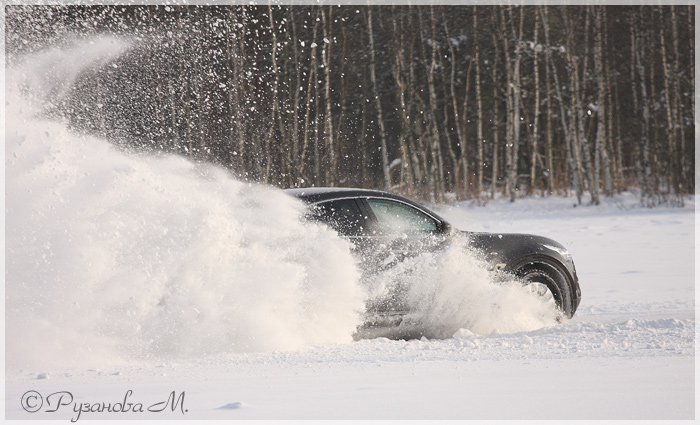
112,257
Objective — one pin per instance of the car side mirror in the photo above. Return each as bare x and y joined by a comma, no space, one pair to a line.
446,228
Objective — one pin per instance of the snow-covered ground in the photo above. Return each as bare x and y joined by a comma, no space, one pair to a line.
628,353
131,278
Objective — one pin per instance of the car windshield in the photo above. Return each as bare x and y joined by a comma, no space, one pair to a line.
397,217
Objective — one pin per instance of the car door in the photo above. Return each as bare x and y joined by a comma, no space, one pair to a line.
397,230
345,216
383,231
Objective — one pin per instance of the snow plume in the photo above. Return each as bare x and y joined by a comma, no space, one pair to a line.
452,289
46,79
113,257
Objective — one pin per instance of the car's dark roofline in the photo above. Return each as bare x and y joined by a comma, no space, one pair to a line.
312,195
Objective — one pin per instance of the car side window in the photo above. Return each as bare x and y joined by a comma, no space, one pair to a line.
343,215
396,217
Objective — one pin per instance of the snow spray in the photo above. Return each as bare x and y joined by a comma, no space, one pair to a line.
453,289
114,257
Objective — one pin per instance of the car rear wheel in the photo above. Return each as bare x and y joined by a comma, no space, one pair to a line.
548,282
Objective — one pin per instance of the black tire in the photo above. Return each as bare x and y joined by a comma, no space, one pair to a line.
555,281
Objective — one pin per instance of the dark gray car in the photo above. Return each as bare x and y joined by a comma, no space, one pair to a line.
372,219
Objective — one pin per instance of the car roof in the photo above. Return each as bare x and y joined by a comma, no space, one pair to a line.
312,195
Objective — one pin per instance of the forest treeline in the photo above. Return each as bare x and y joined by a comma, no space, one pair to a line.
463,102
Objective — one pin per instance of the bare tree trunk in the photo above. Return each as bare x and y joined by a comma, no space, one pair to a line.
640,59
671,134
418,157
600,142
232,107
461,140
318,179
328,123
480,117
173,119
311,98
276,118
188,120
311,84
562,112
618,164
549,152
238,88
495,120
576,125
407,174
635,102
508,155
436,150
341,137
611,141
456,162
435,175
584,143
364,174
380,118
679,112
307,114
691,20
536,124
514,116
418,146
295,86
656,144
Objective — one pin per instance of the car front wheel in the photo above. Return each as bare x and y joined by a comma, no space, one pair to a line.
548,282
